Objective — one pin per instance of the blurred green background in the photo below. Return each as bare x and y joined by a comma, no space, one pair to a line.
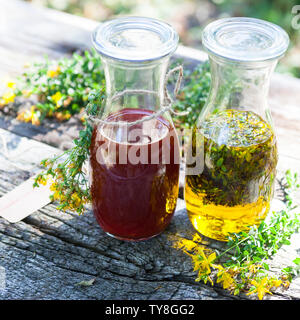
190,16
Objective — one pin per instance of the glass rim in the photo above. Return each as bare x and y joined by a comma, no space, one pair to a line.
103,39
243,39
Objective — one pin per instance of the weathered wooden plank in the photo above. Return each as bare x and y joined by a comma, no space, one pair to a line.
27,33
56,134
48,253
284,100
22,153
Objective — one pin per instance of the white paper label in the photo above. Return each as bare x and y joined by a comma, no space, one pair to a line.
24,200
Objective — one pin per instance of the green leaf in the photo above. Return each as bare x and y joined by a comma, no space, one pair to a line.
219,162
86,283
297,261
223,168
266,266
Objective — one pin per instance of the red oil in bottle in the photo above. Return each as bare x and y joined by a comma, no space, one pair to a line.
134,177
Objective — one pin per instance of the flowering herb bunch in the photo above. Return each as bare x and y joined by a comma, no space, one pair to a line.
65,173
61,87
243,266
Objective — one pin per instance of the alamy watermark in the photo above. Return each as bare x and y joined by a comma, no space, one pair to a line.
139,147
296,19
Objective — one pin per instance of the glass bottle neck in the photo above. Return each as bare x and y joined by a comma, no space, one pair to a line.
240,86
134,84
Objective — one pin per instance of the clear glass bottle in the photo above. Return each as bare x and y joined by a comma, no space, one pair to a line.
235,186
134,188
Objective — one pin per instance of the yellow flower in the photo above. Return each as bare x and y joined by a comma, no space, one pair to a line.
29,116
56,195
35,120
45,163
276,283
261,287
42,179
11,84
197,238
71,165
8,97
53,187
202,262
286,284
226,278
76,200
20,116
254,268
24,116
62,116
185,245
53,73
56,98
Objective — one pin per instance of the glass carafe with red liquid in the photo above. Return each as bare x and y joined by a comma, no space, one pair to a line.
134,152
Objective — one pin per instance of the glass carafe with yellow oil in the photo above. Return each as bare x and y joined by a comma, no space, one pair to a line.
232,188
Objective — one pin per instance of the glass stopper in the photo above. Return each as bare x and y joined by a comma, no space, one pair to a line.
245,39
135,39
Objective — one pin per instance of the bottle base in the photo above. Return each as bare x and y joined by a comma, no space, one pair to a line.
218,229
218,222
209,229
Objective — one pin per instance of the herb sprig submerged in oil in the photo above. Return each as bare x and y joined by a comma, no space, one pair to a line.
236,185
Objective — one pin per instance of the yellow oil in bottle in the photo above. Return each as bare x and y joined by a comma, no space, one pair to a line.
235,188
